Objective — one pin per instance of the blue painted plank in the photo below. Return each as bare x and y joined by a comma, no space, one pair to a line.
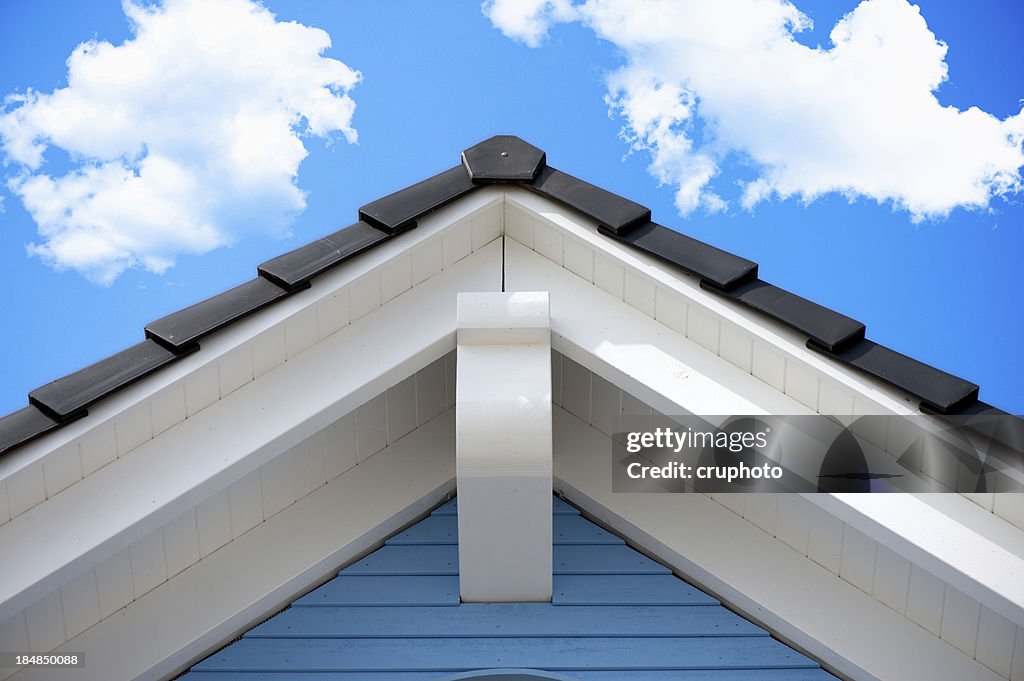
505,620
384,591
444,529
558,507
444,560
626,590
603,560
408,560
579,675
558,654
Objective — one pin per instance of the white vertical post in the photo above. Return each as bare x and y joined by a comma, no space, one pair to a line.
503,446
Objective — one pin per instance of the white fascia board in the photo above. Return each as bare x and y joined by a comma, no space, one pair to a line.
924,532
622,345
210,603
788,341
139,492
218,344
807,606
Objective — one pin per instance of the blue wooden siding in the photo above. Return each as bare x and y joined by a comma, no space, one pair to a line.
615,614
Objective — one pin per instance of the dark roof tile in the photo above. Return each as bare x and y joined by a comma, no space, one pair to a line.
503,158
611,211
22,426
180,330
939,391
715,266
294,269
66,397
399,211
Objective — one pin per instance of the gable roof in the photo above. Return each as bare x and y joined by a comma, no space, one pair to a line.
613,611
502,159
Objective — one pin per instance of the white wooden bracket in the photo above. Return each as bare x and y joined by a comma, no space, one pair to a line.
503,446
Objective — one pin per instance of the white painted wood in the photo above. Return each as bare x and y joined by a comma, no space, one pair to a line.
245,501
834,399
45,621
925,598
605,402
268,350
793,521
136,494
25,489
1009,507
638,292
80,603
149,563
457,242
213,521
5,507
938,536
547,241
401,408
364,295
960,615
430,396
395,278
14,634
670,310
1017,672
181,542
371,428
167,409
702,328
300,332
503,446
802,384
995,642
635,352
735,502
892,579
133,427
518,224
486,226
579,259
62,469
576,389
201,390
736,346
427,260
609,276
762,510
234,370
307,465
857,565
340,445
769,365
449,380
825,540
803,604
277,485
206,606
556,377
333,314
114,583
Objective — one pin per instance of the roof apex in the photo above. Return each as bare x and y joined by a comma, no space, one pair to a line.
503,158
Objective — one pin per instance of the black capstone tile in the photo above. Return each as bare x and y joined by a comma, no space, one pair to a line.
399,211
939,391
294,269
503,158
22,426
611,211
825,327
180,330
713,265
66,397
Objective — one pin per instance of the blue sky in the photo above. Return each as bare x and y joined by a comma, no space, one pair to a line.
837,170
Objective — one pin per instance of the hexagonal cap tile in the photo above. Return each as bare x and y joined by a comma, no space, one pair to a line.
503,158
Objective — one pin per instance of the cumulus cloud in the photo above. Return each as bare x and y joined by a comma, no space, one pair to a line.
182,139
708,82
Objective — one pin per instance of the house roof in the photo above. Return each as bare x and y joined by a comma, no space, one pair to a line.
396,613
502,159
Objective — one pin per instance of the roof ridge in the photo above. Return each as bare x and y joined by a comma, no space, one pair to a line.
502,159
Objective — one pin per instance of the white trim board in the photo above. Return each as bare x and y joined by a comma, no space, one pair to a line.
205,606
807,606
165,476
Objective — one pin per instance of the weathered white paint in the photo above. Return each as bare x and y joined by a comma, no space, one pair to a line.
503,446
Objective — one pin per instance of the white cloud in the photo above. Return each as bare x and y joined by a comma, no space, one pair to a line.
859,118
182,139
